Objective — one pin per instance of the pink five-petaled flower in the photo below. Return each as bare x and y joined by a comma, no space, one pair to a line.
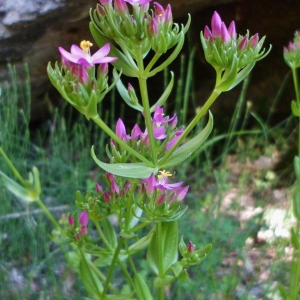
162,182
83,56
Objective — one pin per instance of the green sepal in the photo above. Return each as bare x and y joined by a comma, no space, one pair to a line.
61,241
130,170
160,102
177,268
161,282
79,197
296,203
168,242
229,77
295,109
122,62
124,94
202,253
187,149
295,239
297,167
172,56
109,233
89,278
242,75
141,288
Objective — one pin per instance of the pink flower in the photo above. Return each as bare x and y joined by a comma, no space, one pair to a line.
121,131
85,59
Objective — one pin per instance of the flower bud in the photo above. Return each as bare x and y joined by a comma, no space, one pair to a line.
190,247
99,188
243,43
114,187
84,218
71,220
106,197
83,230
216,25
160,200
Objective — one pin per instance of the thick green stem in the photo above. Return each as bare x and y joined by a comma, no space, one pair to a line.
112,266
193,123
101,124
295,79
160,244
145,101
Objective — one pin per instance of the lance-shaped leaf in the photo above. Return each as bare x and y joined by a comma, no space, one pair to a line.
141,288
130,170
124,94
184,151
168,243
160,102
122,62
295,109
109,233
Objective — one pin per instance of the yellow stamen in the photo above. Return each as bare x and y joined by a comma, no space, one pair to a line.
85,46
163,174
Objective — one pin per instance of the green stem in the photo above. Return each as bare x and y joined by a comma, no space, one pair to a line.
91,275
129,205
160,244
13,169
101,234
145,101
295,79
193,123
136,228
101,124
112,266
152,62
47,213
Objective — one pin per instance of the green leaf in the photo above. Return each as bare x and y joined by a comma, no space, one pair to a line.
141,288
165,95
295,109
229,77
27,194
89,278
282,291
122,62
297,167
168,241
184,151
296,203
124,94
119,297
295,239
242,75
161,282
130,170
142,243
109,233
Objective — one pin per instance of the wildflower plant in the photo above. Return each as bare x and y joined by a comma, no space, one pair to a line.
139,187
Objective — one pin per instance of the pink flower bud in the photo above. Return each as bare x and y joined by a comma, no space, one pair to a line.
216,25
99,188
110,177
114,187
150,184
100,10
243,43
120,6
207,34
190,247
83,230
224,33
160,200
106,197
84,218
168,14
159,14
103,69
254,40
120,130
153,27
105,2
71,220
173,122
231,30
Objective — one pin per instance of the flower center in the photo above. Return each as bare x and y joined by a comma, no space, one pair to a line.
85,46
164,174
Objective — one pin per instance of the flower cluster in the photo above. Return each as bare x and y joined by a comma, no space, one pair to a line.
99,203
78,80
159,199
221,45
164,132
137,26
78,230
291,53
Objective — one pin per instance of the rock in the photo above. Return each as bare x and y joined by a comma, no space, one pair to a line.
31,31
